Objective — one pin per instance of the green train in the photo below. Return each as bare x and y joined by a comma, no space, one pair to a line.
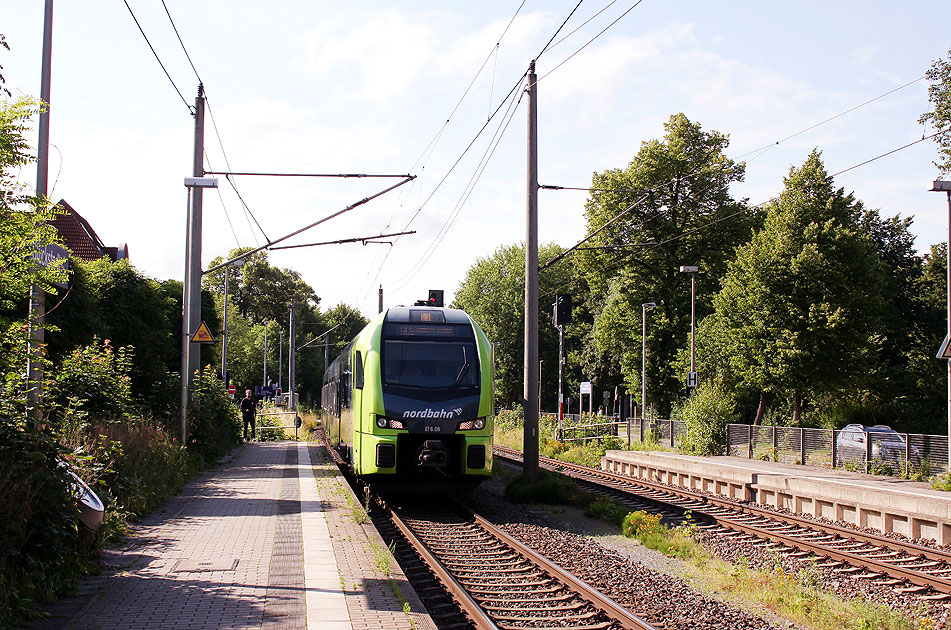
409,402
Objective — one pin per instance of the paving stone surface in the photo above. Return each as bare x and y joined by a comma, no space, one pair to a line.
266,540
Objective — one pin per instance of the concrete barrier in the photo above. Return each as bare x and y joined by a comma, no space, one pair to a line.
883,503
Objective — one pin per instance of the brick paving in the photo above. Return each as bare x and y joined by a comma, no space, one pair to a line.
256,543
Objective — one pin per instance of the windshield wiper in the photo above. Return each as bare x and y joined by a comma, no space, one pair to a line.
463,370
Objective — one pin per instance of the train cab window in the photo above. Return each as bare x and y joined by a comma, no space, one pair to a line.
430,364
358,371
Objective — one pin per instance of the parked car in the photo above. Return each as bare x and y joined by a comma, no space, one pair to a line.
888,446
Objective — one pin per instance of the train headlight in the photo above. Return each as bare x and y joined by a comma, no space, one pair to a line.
389,423
472,425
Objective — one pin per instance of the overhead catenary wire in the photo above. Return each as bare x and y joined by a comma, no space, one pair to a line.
452,168
587,43
747,208
766,147
221,145
430,150
191,110
340,241
555,34
312,225
887,153
477,174
583,24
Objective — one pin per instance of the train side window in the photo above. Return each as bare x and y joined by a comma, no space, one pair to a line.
358,371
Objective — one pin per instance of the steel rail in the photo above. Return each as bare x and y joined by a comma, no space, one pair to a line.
479,617
873,539
910,575
615,611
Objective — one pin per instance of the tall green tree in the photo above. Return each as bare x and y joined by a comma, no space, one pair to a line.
670,207
24,229
800,306
939,93
924,403
115,301
261,291
493,294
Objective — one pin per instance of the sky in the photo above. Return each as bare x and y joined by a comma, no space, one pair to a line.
405,88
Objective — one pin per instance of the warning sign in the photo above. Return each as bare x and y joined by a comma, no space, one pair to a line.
202,335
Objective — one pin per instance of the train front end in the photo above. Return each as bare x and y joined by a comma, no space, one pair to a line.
427,426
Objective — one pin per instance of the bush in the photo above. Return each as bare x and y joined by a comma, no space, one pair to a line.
640,524
138,466
510,419
607,510
94,379
271,435
42,551
706,414
214,425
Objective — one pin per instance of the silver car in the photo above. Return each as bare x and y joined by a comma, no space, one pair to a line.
887,445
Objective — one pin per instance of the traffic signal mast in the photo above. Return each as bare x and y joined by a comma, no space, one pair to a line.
562,317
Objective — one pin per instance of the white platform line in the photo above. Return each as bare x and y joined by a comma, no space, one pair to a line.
324,597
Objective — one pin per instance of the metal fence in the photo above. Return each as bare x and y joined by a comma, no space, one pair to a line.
887,453
581,427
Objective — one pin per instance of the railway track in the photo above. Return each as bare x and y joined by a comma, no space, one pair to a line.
497,581
907,567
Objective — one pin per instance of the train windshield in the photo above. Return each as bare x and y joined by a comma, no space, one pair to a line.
430,364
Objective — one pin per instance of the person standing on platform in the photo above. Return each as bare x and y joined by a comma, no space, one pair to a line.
248,409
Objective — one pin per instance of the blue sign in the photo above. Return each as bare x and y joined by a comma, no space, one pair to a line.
48,256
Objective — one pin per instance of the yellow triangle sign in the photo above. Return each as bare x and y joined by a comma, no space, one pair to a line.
202,335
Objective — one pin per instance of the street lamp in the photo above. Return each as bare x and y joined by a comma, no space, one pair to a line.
224,330
945,187
644,308
692,376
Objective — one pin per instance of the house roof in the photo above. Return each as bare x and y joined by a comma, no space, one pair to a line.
79,237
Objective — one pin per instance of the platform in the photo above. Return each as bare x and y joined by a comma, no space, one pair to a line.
884,503
273,538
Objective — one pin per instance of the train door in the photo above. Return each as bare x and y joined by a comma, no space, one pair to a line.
359,422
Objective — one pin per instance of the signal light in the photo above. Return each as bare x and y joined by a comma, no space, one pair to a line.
562,314
435,297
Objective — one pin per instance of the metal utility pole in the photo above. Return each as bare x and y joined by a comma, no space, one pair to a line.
692,376
540,361
530,449
265,354
381,300
945,186
224,332
193,273
191,291
561,366
291,363
36,334
280,356
644,308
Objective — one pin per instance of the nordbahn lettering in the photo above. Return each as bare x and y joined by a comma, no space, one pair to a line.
429,413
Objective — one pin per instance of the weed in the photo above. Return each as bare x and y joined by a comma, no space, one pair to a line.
549,488
942,482
403,603
650,532
799,598
359,514
606,510
384,557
